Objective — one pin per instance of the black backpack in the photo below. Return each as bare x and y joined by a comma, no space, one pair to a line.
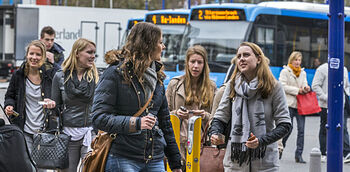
14,156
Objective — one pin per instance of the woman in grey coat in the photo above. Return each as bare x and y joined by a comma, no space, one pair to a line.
256,105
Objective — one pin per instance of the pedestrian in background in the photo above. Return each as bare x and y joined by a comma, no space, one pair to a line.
141,142
320,86
293,80
255,103
194,90
73,90
29,85
54,52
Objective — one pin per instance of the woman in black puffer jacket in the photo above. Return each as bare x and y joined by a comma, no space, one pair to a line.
124,88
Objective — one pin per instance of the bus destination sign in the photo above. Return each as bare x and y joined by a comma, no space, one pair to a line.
133,23
218,14
167,19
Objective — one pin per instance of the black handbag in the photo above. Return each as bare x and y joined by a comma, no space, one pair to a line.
50,149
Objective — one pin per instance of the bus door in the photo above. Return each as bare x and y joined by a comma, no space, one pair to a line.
89,31
111,36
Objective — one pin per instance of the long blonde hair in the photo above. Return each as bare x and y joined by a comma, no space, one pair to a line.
70,64
141,43
266,80
42,47
204,93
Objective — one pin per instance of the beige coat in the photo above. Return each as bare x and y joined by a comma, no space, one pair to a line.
291,84
175,94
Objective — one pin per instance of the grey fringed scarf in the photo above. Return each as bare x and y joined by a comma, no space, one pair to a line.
150,80
246,119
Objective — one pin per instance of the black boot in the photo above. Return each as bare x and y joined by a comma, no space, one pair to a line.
299,159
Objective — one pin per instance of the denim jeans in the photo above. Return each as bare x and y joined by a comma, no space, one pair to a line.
293,112
117,163
323,133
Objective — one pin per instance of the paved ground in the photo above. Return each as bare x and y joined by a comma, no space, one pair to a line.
311,140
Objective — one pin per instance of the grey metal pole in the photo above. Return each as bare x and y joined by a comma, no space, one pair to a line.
93,4
315,160
110,3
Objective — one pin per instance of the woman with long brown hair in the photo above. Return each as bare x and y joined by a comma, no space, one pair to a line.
256,105
194,90
124,88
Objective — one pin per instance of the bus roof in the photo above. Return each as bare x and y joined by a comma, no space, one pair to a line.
169,11
295,9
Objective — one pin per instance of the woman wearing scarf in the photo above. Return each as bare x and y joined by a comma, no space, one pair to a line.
293,80
73,90
124,88
256,104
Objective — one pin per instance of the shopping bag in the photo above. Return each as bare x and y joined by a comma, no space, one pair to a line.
308,104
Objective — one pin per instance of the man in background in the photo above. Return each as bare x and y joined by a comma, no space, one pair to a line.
54,52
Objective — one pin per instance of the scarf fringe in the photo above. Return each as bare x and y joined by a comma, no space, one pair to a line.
241,154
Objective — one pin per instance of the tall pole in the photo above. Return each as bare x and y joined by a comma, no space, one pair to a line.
189,4
146,4
163,4
335,87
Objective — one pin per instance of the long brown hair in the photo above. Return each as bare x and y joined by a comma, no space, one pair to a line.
266,80
204,92
39,44
140,45
70,64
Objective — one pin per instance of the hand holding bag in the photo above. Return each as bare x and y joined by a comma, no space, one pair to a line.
211,159
307,103
50,149
96,159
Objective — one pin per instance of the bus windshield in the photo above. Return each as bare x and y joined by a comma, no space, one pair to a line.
172,36
219,38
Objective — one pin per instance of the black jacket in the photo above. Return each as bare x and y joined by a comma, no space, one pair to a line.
74,112
15,94
116,101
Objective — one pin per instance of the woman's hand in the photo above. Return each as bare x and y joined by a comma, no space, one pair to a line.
215,139
306,89
301,90
49,104
182,114
9,110
147,122
199,113
252,142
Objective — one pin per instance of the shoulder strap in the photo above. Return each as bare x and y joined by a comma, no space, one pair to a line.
138,113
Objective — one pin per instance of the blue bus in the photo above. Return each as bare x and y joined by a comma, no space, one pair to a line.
173,23
277,27
131,22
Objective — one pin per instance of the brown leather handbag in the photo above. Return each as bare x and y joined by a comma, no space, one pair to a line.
211,159
95,160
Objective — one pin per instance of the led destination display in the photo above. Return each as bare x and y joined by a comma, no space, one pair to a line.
218,14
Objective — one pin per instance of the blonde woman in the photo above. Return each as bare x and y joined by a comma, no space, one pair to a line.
73,90
293,80
256,104
194,91
30,84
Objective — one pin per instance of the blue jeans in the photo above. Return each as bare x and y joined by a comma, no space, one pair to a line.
301,127
117,163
